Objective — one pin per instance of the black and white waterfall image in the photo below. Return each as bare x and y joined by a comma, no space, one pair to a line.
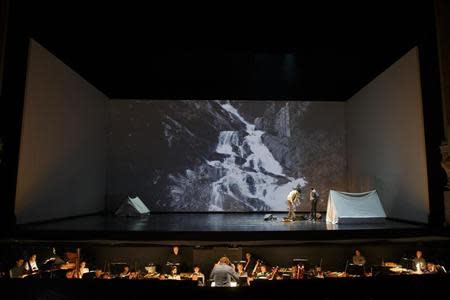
231,156
251,174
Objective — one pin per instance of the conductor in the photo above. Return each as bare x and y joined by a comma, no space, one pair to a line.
223,272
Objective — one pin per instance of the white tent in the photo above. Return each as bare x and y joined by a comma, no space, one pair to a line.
132,207
346,208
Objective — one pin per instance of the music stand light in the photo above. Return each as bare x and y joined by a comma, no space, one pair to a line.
302,262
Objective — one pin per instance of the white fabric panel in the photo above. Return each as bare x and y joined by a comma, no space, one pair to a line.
139,205
360,207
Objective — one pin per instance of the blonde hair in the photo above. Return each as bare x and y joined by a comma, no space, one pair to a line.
224,260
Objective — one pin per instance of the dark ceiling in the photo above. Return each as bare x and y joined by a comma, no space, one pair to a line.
320,53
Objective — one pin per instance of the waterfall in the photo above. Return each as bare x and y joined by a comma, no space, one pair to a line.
259,177
226,141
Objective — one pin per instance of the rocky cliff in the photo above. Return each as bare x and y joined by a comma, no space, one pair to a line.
216,155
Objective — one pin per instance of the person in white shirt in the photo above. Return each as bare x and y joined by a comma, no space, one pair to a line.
198,276
292,200
31,265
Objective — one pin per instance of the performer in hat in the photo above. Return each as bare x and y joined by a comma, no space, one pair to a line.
292,200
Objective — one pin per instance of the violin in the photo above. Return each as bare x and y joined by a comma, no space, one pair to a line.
258,263
274,272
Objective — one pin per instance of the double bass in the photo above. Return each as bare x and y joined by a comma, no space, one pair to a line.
75,273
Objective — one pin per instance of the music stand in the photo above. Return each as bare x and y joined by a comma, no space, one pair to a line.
54,274
172,265
117,267
406,263
379,271
243,280
357,270
89,275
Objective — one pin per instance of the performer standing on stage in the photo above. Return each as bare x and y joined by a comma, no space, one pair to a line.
292,200
313,197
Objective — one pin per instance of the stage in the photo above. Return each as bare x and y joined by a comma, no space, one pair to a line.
212,226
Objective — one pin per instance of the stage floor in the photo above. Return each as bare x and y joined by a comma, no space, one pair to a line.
214,225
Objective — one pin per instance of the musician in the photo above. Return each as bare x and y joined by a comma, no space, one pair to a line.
223,272
98,274
244,279
18,270
358,259
175,258
198,276
125,272
53,259
292,200
31,264
151,272
318,273
81,271
431,268
174,273
240,270
249,262
257,268
134,275
263,274
419,262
